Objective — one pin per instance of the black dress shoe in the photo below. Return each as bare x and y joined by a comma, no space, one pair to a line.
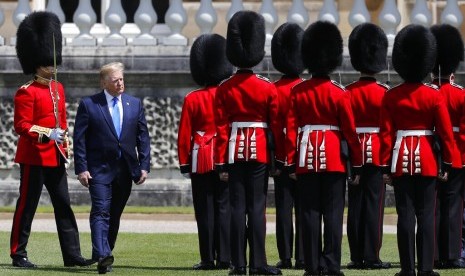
104,263
265,270
405,273
204,266
376,265
240,270
355,265
311,273
438,265
79,261
455,264
286,263
23,263
332,273
428,273
299,264
223,265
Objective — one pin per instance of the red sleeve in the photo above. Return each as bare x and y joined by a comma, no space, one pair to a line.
273,109
63,122
222,127
185,136
291,133
386,136
347,123
443,127
24,114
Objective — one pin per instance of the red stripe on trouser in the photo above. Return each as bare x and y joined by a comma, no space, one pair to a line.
20,210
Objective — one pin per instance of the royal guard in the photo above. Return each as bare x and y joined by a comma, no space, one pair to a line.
449,205
412,113
286,58
196,140
319,117
368,55
246,109
42,149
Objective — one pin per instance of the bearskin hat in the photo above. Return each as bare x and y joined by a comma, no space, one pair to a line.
208,62
414,53
450,49
368,48
285,49
322,48
245,40
34,41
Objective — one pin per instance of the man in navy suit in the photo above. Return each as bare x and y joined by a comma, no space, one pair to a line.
111,149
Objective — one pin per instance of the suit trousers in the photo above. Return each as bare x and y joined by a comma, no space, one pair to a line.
415,199
248,185
108,202
365,215
33,178
285,192
212,213
322,197
449,212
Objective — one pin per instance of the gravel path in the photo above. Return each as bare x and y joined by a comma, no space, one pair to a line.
137,223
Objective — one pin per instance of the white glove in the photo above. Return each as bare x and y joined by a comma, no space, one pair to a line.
58,135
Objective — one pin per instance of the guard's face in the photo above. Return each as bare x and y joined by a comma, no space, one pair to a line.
46,71
114,83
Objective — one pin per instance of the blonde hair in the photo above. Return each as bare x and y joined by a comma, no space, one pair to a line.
106,69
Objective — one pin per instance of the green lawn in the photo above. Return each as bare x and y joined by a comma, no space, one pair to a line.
158,254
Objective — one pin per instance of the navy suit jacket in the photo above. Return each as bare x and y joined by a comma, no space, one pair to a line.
96,144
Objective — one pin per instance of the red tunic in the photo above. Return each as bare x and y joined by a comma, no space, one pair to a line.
366,95
197,131
323,104
283,87
34,107
250,100
455,101
418,107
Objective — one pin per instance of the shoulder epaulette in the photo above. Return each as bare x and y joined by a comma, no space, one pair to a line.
456,85
263,78
192,92
382,85
338,85
435,87
27,84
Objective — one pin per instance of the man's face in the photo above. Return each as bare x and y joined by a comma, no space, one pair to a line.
114,83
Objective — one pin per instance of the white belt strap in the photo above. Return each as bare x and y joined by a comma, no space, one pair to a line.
232,138
455,129
307,129
367,130
399,136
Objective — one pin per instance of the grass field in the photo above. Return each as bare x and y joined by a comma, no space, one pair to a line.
159,254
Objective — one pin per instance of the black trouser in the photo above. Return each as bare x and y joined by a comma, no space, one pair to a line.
212,213
248,185
322,197
33,178
415,199
365,215
285,190
449,212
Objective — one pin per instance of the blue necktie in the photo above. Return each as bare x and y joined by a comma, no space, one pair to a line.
116,116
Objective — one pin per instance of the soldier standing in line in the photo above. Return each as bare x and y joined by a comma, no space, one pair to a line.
196,139
42,150
319,116
410,114
246,106
368,55
449,205
286,57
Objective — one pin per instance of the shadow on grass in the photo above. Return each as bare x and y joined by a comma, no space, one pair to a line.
86,269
